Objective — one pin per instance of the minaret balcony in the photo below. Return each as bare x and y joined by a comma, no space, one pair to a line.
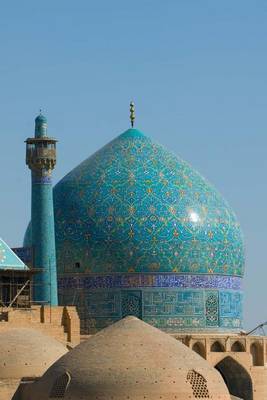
36,154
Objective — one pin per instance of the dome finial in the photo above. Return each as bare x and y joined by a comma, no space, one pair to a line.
132,113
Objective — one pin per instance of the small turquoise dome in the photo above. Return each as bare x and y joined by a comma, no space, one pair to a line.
41,119
40,126
140,232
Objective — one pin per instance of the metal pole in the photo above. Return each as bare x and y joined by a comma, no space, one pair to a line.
17,295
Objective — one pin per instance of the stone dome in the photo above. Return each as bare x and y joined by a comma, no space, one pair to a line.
134,216
27,352
130,360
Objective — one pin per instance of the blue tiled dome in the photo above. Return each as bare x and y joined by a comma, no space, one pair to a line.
135,207
41,119
40,126
139,231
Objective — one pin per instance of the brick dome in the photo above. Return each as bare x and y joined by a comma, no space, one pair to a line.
27,352
130,360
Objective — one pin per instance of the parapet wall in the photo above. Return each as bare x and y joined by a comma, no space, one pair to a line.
60,322
236,357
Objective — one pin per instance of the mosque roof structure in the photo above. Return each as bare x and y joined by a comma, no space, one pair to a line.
130,360
140,232
27,352
41,118
133,206
9,260
40,126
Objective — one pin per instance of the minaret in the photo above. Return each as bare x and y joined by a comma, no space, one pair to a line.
41,159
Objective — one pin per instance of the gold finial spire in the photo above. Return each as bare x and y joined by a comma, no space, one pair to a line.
132,113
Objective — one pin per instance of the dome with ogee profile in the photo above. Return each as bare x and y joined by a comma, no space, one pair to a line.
135,207
139,231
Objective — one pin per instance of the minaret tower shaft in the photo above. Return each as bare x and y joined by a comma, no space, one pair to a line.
41,159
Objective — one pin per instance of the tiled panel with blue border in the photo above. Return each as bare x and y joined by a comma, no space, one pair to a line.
170,309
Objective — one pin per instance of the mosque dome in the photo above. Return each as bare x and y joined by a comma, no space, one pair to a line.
41,119
130,360
27,352
135,207
139,231
40,126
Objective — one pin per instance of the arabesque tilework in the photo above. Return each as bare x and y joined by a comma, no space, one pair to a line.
135,207
138,228
127,281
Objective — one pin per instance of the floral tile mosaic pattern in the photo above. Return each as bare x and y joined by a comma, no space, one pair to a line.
135,207
139,231
127,281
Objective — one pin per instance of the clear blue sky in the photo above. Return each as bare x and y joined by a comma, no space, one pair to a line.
197,71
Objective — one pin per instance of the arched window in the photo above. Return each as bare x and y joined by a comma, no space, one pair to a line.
60,386
237,347
198,384
199,349
217,347
257,354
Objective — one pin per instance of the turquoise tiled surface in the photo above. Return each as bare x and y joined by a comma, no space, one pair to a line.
135,207
8,259
134,212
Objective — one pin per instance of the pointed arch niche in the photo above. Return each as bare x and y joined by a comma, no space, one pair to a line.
217,347
256,351
237,347
236,377
199,348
